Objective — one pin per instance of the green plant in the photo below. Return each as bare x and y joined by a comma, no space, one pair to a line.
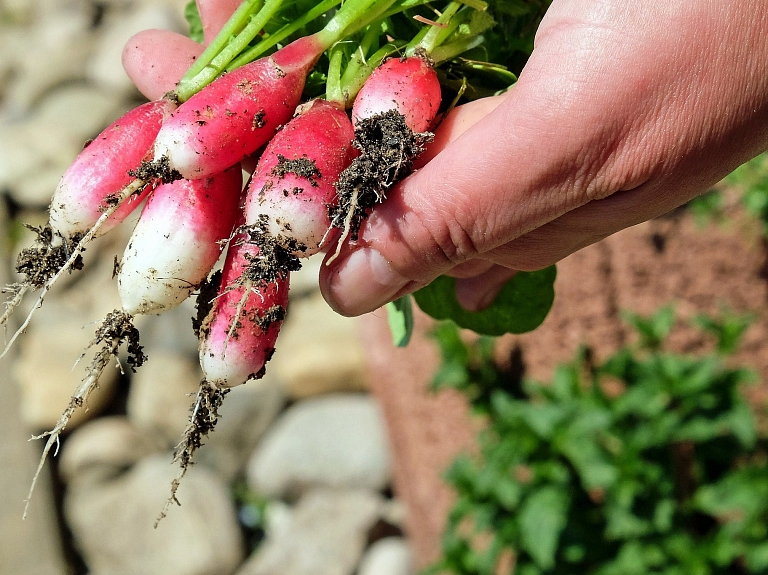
646,463
751,179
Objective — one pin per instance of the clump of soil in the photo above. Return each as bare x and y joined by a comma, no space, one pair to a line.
276,257
388,149
302,167
116,329
41,262
159,169
208,290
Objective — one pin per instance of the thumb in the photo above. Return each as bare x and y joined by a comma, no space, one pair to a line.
456,208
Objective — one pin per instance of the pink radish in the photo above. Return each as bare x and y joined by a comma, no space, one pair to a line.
175,243
408,85
102,168
293,186
238,113
238,335
396,104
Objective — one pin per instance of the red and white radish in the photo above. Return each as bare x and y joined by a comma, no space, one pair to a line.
237,337
408,85
176,241
293,187
89,185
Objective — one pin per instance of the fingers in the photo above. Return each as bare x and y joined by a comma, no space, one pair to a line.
155,60
214,14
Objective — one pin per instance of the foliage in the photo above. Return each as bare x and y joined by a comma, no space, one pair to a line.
751,179
647,463
521,306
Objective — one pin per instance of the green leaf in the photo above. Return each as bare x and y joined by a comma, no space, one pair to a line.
521,306
543,516
400,315
195,24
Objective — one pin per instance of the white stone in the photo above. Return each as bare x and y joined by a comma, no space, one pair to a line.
161,394
113,523
336,440
105,68
102,449
326,536
318,351
388,556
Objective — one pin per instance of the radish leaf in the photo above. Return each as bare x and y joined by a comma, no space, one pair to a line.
521,306
400,314
193,19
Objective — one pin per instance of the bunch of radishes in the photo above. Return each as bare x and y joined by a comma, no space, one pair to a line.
320,170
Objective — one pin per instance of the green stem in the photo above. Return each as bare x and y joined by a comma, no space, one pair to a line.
333,91
273,39
449,51
436,34
233,26
216,66
358,71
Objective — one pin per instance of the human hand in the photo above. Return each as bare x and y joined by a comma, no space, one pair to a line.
624,111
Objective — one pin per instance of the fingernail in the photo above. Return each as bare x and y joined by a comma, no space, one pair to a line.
363,282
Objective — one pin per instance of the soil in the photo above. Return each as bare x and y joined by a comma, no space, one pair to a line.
116,329
276,257
302,167
207,293
153,170
388,148
41,262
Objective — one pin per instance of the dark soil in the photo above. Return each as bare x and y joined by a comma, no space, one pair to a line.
41,262
276,257
388,149
117,328
204,303
302,167
159,169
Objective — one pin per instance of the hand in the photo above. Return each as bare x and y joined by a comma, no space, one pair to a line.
625,111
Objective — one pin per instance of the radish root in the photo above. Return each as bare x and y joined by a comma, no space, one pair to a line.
116,328
203,419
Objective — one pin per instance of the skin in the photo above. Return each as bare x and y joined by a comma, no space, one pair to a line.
624,111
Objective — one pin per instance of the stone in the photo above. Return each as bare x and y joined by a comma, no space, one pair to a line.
33,545
388,556
102,449
318,351
105,69
245,416
56,50
336,441
161,394
44,371
326,535
112,523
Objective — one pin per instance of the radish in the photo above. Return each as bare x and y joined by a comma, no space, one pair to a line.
293,186
395,106
233,117
180,235
392,112
408,85
175,243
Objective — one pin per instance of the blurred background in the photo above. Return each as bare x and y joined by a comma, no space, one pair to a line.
334,462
